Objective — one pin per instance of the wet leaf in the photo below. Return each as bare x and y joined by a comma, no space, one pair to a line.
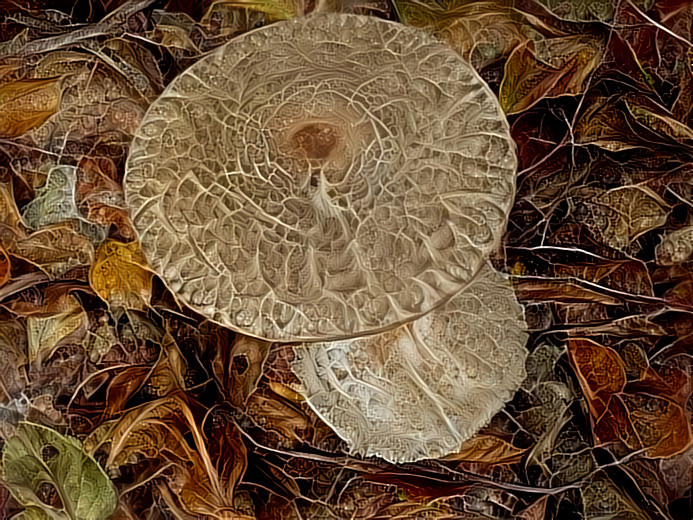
546,69
37,456
120,275
26,104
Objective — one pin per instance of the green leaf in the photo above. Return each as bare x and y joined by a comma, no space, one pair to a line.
37,456
55,202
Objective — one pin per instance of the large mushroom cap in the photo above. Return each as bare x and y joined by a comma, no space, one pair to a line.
321,178
419,391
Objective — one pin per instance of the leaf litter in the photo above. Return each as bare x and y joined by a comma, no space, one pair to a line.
116,401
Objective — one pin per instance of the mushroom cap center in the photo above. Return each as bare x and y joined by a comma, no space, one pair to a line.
316,140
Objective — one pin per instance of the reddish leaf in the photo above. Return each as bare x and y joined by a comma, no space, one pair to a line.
645,422
600,371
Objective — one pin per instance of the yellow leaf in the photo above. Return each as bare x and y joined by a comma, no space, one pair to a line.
120,275
27,104
487,449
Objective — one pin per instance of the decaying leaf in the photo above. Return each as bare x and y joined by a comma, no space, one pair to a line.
56,249
676,247
155,431
4,267
13,359
239,368
600,370
602,499
581,10
120,275
40,464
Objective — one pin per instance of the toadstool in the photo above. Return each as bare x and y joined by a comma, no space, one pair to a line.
339,181
422,389
321,178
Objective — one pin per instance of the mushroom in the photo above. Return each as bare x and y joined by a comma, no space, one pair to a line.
340,180
320,178
420,390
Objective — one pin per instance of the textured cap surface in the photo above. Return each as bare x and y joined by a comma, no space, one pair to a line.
321,178
421,390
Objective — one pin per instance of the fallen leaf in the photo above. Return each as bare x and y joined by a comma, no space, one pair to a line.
239,368
656,425
601,499
120,275
155,431
55,249
600,371
271,412
48,333
27,104
10,219
4,267
36,457
620,215
55,202
12,360
676,247
625,121
274,9
480,31
629,276
580,10
487,449
546,69
559,291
